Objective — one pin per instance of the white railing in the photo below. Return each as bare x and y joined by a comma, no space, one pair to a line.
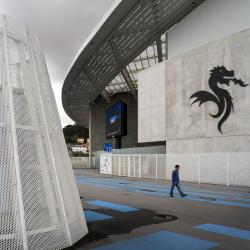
215,168
82,162
144,166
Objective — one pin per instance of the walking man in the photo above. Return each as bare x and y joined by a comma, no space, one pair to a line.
176,182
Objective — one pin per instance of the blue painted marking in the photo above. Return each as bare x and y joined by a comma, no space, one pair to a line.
155,187
233,204
113,206
228,231
149,184
166,194
114,183
94,216
161,241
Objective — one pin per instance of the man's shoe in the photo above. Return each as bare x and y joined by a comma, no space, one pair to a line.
171,196
183,195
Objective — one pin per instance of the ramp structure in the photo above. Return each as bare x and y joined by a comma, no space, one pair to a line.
39,201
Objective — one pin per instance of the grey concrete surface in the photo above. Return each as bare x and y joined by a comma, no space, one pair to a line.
190,73
189,213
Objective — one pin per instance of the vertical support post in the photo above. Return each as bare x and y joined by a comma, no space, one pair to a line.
199,168
156,166
90,134
166,166
227,170
140,166
166,45
14,138
128,165
112,165
119,165
115,164
134,167
49,142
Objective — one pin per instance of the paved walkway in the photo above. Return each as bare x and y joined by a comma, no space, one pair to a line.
128,213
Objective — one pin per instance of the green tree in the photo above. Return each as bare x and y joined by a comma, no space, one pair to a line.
72,132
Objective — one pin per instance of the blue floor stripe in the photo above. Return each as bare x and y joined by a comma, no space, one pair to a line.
161,241
233,204
92,216
166,194
228,231
113,206
165,189
149,184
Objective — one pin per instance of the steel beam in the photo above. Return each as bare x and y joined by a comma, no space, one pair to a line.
159,49
129,82
105,96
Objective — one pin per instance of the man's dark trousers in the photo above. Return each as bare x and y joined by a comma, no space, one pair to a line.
178,187
176,182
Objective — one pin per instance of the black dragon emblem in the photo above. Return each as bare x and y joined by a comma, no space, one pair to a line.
221,97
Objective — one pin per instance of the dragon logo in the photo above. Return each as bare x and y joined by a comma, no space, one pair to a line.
221,97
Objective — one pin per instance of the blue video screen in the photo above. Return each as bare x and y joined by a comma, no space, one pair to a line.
116,120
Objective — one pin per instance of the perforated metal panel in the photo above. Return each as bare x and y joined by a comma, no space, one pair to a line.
39,200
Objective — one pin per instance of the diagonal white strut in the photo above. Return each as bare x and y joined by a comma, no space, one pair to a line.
14,137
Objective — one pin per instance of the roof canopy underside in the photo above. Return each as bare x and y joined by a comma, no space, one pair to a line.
130,39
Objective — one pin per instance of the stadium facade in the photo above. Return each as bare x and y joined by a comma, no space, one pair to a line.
182,68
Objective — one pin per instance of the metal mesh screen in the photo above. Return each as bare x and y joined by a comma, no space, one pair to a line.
40,206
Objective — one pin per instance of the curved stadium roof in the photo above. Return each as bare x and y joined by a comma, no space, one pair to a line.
131,37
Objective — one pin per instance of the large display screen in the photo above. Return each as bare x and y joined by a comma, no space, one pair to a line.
116,120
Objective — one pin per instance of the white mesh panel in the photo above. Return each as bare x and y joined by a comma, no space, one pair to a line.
40,206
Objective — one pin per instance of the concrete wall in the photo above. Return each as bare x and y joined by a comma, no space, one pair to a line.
190,73
142,150
151,104
214,34
193,138
212,20
98,126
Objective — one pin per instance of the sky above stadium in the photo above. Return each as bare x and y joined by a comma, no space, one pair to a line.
62,27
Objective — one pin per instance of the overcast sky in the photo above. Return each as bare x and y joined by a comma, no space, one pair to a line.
62,27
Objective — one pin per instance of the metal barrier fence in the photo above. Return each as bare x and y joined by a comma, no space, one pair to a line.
144,166
82,162
214,168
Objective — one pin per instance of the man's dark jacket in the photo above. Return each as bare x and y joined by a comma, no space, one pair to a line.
175,177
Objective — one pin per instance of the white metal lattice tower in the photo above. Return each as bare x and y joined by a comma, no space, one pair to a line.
39,201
